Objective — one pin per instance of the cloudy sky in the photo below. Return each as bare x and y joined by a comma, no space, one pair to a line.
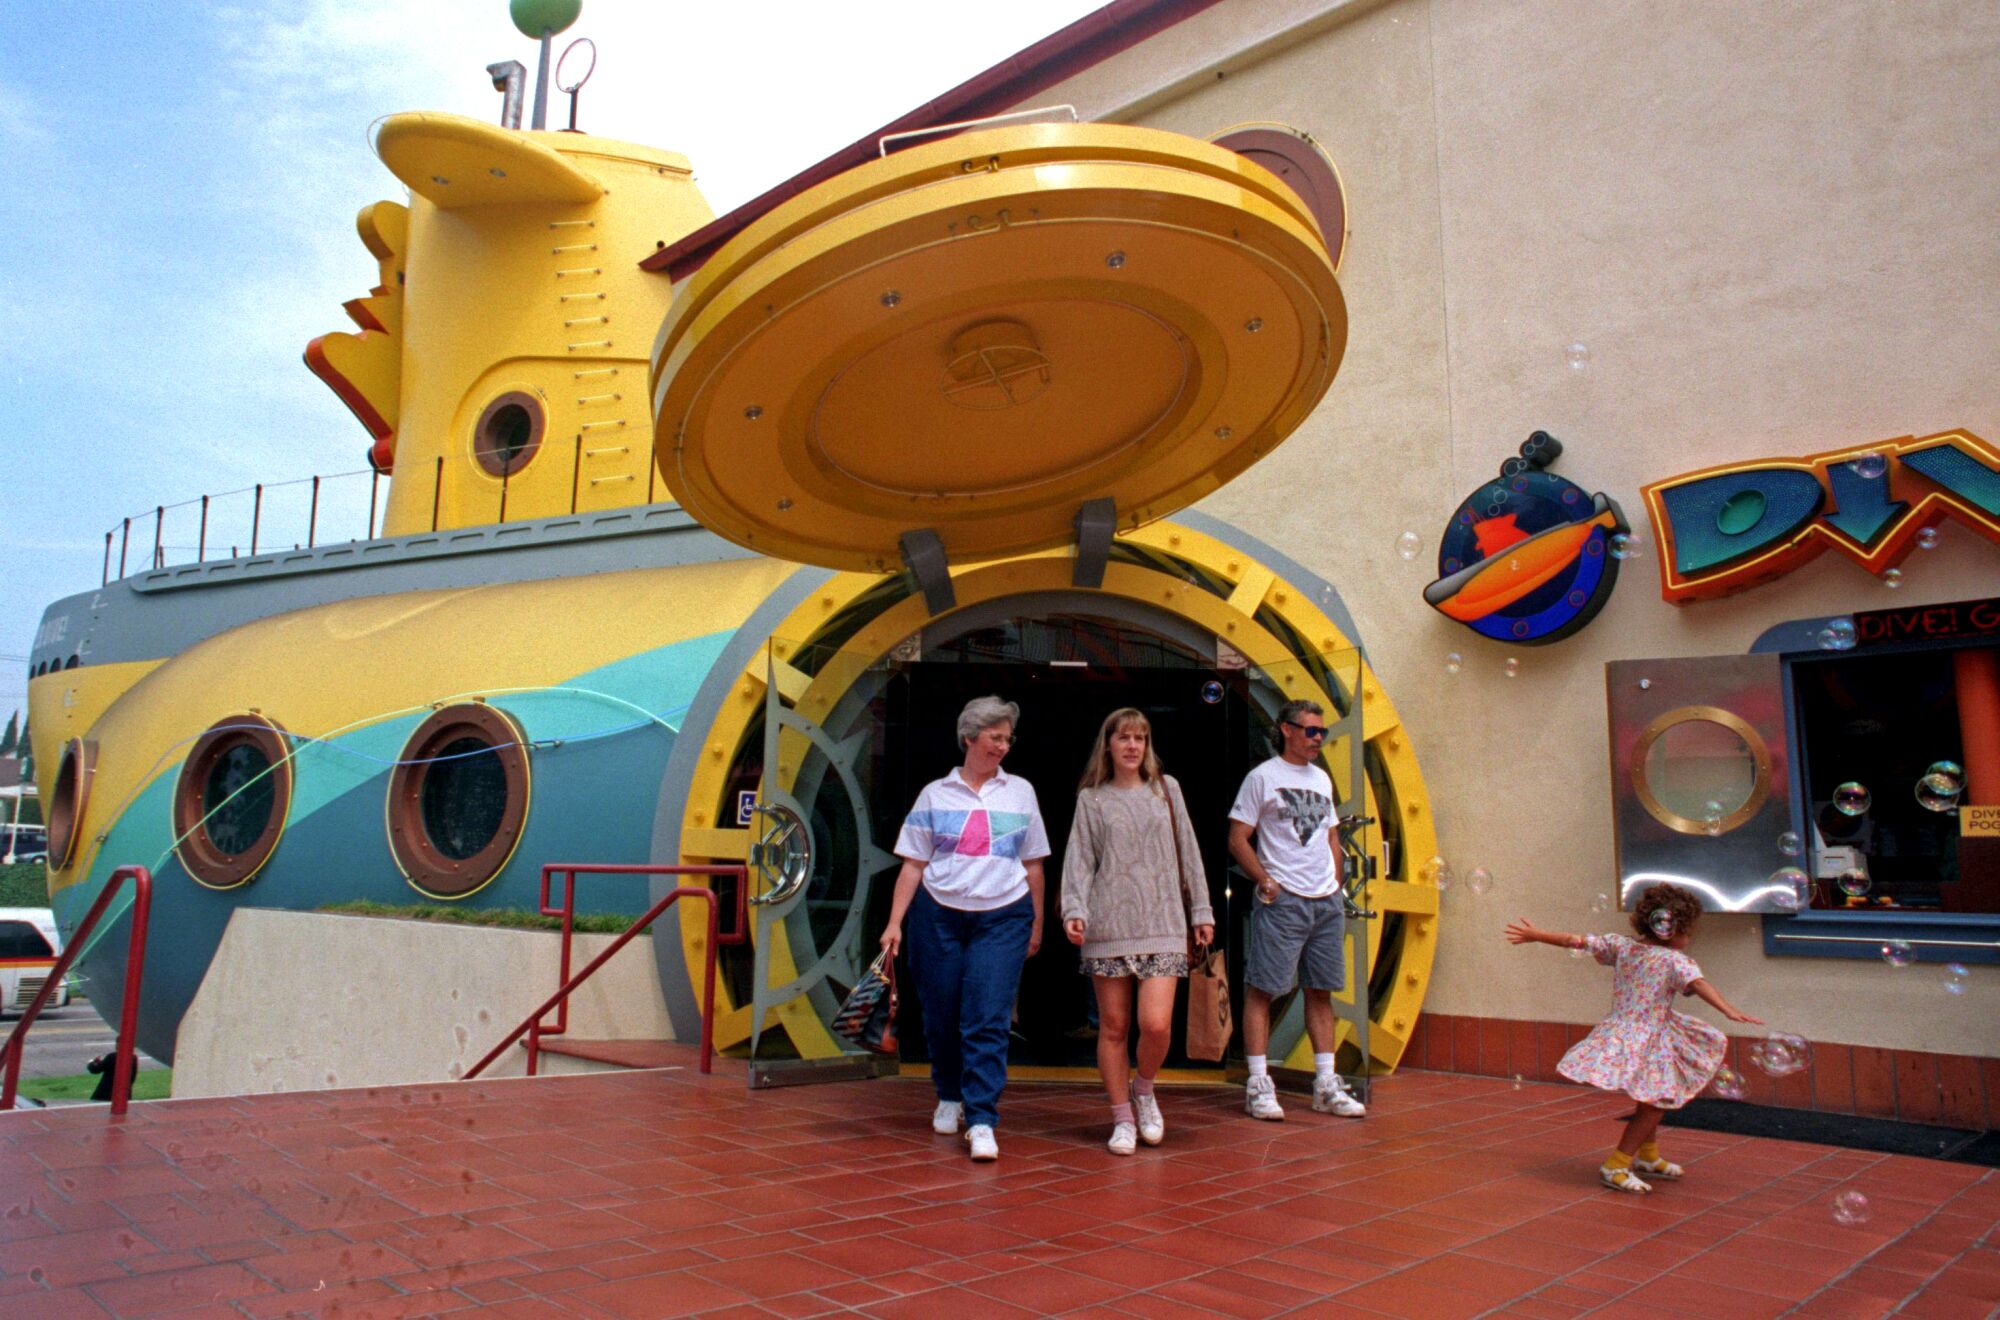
178,217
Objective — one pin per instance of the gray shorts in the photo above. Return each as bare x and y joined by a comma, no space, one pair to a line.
1290,935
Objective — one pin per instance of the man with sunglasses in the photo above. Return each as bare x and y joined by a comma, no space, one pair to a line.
1298,929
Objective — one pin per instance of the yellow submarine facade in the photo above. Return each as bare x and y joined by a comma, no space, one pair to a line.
698,568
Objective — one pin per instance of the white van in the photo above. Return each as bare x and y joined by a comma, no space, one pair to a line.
29,947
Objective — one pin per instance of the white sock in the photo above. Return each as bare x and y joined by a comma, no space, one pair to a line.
1323,1067
1259,1066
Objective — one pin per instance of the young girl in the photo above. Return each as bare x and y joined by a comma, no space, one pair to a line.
1645,1049
1132,893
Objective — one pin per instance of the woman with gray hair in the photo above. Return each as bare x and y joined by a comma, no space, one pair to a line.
971,888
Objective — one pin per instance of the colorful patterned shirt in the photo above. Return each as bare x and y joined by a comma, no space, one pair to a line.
973,842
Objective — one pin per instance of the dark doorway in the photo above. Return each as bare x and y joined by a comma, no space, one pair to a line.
1205,730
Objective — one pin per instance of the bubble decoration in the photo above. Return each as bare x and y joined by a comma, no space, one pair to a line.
1453,662
1837,635
1852,799
1625,546
1892,578
1870,466
1479,880
1409,545
1781,1054
1728,1083
1577,356
1956,978
1851,1208
1927,538
1788,843
1510,667
1898,953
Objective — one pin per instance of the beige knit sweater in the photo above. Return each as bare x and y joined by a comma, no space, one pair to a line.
1118,872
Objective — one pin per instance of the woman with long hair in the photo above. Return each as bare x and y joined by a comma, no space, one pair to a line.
1132,891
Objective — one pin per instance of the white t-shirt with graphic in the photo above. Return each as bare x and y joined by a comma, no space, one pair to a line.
1291,807
973,843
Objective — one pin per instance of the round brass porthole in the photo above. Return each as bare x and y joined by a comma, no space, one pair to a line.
1701,770
69,800
230,805
458,800
508,432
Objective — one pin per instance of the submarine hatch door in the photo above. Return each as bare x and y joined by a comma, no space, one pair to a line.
814,865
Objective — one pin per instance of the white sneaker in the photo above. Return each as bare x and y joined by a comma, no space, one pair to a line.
1330,1097
984,1148
1152,1127
1124,1139
948,1117
1260,1099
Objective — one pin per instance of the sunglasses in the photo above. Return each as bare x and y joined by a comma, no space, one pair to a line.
1309,730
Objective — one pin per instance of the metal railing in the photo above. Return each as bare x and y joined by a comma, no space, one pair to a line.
135,971
534,1028
266,516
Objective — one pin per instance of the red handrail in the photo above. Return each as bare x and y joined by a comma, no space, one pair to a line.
135,971
533,1028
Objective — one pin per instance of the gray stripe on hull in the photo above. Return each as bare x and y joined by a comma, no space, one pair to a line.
152,615
1282,564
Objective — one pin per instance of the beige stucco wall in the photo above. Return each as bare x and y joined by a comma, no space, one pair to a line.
299,1001
1772,227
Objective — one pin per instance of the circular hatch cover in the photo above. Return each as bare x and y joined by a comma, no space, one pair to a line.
979,336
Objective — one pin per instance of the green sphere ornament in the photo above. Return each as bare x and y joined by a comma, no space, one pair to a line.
534,17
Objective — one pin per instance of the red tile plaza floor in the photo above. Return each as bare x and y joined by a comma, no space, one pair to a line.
665,1193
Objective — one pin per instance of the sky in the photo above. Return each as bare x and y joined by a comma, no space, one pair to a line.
178,218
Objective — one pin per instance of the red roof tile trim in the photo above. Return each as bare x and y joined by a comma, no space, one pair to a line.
1089,41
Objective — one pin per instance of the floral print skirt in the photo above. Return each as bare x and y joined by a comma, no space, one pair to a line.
1141,965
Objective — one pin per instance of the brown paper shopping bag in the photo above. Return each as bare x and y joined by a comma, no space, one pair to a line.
1208,1019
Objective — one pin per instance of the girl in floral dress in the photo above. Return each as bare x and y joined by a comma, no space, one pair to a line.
1645,1049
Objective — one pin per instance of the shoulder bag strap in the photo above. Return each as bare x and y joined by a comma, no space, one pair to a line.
1180,862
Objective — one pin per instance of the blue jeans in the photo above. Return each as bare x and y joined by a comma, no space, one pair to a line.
968,966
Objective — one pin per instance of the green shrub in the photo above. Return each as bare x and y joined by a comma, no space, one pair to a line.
24,884
147,1084
506,918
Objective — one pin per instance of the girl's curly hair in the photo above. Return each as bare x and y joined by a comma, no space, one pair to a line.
1680,909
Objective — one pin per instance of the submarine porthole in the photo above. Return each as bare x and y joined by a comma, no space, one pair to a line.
508,433
230,805
458,800
69,799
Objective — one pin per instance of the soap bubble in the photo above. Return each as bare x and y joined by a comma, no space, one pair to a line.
1898,953
1939,792
1711,807
1837,635
1645,683
1854,882
1790,878
1781,1054
1851,1208
1951,771
1453,662
1892,578
1956,978
1788,900
1517,1081
1577,355
1479,880
1851,799
1409,545
1870,466
1439,870
1927,538
1510,667
1728,1083
1600,903
1711,825
1661,923
1788,844
1625,546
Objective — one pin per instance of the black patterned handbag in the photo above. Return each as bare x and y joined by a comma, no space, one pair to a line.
868,1017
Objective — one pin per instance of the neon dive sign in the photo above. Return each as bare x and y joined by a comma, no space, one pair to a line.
1725,529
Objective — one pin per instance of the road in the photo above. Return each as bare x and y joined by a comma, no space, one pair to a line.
63,1040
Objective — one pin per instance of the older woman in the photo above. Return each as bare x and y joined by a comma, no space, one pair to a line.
971,887
1133,892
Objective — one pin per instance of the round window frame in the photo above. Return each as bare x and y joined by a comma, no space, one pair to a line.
1760,755
69,799
1297,148
206,864
425,868
488,457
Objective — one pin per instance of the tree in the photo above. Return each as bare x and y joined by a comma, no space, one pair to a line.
26,750
11,740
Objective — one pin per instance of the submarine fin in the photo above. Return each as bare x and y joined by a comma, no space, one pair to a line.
365,370
455,162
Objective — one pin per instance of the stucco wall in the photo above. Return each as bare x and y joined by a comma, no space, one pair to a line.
299,1001
1772,228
